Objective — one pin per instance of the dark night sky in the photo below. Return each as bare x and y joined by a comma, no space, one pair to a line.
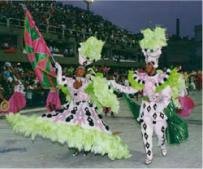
135,15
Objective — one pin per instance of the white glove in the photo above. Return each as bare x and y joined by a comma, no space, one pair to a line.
154,98
58,67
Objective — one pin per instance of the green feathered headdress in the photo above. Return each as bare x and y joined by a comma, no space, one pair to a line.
153,39
90,50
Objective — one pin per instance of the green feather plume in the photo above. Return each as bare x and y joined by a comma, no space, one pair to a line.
100,93
91,49
153,39
90,91
105,96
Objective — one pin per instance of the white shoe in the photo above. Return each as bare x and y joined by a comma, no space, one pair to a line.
164,152
85,153
148,161
76,153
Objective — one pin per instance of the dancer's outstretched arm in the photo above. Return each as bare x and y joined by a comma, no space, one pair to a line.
122,88
61,80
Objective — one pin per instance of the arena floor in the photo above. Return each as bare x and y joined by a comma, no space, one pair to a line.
19,152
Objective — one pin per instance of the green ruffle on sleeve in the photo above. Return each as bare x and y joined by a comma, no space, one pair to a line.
100,93
91,48
65,91
134,83
73,135
173,82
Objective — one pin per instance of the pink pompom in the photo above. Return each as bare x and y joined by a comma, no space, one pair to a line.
17,102
187,105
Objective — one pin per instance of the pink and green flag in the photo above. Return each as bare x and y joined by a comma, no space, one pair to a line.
38,53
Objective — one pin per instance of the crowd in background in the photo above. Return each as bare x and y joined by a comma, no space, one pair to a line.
70,21
33,90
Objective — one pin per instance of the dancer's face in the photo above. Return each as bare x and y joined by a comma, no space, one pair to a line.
80,72
150,68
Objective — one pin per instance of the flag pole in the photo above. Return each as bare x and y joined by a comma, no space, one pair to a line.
23,6
53,61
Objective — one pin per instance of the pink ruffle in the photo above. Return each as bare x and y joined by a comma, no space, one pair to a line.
17,102
53,101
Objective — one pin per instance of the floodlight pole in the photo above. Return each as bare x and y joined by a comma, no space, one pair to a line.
88,3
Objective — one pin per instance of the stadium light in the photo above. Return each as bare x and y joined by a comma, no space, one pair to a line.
88,3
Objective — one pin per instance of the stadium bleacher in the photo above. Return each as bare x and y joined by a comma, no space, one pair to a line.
70,22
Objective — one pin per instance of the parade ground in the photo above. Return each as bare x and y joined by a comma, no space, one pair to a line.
17,151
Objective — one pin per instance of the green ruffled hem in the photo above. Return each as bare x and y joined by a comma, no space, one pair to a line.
75,136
